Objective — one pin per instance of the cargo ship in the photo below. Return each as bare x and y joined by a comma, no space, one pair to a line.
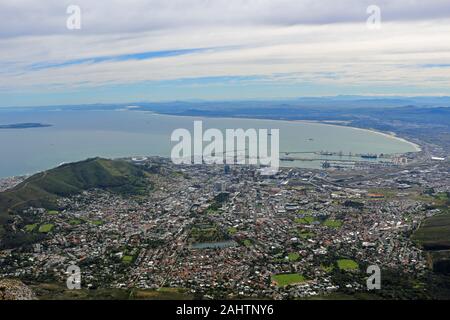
369,156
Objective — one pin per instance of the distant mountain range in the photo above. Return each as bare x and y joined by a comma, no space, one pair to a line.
332,102
423,118
24,125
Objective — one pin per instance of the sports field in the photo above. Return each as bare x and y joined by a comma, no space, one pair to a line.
283,280
347,265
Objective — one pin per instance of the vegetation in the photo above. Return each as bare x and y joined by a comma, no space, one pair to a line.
221,197
353,204
305,234
305,220
347,265
283,280
434,232
69,179
42,189
333,223
96,222
75,222
443,200
434,235
216,204
327,268
56,291
127,259
294,256
129,255
46,228
207,233
30,227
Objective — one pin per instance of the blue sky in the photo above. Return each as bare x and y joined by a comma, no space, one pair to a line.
114,58
193,49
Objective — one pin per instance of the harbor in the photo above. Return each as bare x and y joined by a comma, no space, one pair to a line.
342,160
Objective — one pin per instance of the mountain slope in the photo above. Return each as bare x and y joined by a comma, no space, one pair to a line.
42,190
73,178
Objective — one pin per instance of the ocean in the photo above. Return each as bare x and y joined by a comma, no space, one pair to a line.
77,135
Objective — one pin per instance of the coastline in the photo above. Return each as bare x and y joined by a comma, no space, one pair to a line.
390,135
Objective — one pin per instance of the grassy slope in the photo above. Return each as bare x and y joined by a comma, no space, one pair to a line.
434,236
42,189
434,233
70,179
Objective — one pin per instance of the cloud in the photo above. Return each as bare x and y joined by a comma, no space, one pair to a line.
28,17
436,65
117,58
205,42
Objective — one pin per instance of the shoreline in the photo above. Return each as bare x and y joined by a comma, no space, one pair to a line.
390,135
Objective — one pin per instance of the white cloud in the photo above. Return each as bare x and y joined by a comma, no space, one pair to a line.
284,40
28,17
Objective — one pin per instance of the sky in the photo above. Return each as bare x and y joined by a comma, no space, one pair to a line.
166,50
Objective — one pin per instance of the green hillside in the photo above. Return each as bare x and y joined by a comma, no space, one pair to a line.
434,236
434,232
42,188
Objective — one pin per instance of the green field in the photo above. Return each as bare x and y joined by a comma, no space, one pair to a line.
53,212
127,259
30,227
347,265
46,228
333,223
305,220
294,256
283,280
75,222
